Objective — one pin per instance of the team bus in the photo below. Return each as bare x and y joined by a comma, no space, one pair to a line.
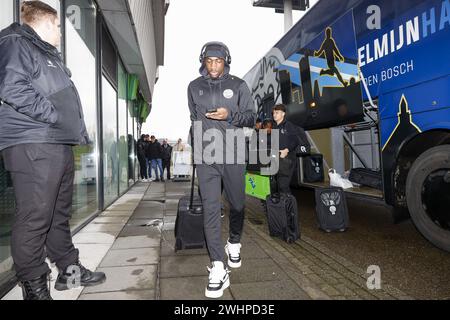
369,81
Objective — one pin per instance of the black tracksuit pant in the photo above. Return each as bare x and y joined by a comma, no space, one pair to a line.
42,177
166,166
210,182
143,167
285,173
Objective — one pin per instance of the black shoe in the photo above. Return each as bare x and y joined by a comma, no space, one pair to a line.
162,180
36,289
157,180
71,280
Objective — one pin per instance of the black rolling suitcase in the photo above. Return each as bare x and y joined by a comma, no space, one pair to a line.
282,215
313,168
331,209
366,177
189,233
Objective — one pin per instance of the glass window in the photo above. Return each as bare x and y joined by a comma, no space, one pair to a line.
110,150
55,4
81,51
7,209
7,204
131,147
123,132
6,13
136,138
109,57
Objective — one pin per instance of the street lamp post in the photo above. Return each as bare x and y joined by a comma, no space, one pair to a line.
288,20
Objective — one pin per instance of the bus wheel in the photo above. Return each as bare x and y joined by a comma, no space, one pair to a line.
428,195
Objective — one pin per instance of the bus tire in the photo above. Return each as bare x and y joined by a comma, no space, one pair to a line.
430,161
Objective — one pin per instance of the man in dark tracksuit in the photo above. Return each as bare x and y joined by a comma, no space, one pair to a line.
289,141
40,120
141,146
222,102
166,158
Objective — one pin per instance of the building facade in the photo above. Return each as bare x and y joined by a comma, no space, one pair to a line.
114,49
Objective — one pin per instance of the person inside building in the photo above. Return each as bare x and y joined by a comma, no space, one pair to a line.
41,119
222,102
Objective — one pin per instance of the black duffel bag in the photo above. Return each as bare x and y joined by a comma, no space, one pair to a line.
366,177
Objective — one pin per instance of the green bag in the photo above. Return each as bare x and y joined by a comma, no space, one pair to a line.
257,186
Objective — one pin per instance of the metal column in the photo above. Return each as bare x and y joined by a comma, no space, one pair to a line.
288,20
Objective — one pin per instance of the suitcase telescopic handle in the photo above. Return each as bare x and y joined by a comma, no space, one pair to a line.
191,203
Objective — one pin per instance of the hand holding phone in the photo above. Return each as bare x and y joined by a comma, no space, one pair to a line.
219,114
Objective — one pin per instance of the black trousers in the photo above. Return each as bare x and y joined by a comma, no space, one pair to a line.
285,173
143,167
42,176
166,166
210,181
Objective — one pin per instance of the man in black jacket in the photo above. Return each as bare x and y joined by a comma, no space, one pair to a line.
143,165
222,104
289,140
166,157
41,118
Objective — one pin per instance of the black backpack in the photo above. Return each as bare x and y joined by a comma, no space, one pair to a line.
313,168
304,147
331,209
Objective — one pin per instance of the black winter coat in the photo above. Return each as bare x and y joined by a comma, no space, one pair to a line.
40,103
288,136
141,148
153,151
166,152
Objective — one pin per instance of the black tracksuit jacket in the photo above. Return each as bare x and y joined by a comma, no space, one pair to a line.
39,102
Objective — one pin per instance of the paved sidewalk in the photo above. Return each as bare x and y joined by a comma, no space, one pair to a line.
142,264
133,243
95,240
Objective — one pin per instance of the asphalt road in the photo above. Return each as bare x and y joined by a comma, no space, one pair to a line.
407,260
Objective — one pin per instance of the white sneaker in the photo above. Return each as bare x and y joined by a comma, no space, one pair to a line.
233,252
144,180
219,280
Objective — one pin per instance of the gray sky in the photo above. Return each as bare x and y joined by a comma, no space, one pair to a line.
248,31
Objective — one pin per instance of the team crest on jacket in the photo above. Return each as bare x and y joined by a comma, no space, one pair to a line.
228,94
